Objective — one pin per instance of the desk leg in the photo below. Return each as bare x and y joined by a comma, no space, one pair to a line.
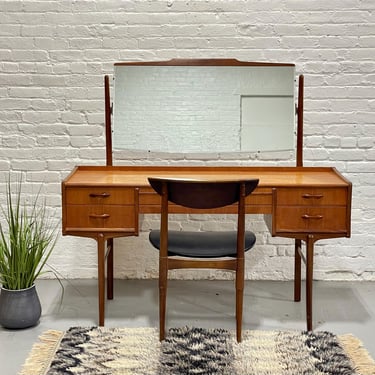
110,269
297,270
309,279
101,277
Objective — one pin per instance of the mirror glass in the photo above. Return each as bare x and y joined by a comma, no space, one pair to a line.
193,109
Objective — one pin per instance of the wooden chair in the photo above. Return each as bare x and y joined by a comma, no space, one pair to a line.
217,250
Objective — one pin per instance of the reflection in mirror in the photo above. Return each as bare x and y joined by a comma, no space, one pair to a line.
193,109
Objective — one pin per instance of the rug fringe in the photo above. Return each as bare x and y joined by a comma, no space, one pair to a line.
41,353
360,357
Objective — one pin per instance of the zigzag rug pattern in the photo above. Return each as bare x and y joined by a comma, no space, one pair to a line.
107,351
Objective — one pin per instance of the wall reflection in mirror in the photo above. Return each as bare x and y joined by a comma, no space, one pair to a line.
193,109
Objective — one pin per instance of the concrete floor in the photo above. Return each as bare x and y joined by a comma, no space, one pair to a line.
339,307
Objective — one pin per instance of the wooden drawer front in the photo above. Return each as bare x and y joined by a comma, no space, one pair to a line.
98,195
148,196
106,216
312,196
310,219
260,197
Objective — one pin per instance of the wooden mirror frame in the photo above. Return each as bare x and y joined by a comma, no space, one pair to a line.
202,62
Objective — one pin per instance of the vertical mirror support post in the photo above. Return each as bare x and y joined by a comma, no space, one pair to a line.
299,158
299,163
109,162
108,125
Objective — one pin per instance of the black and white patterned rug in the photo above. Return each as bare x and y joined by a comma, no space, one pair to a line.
106,351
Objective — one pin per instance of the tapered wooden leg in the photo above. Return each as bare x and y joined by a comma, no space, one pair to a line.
110,268
163,279
297,270
309,280
239,298
101,277
239,308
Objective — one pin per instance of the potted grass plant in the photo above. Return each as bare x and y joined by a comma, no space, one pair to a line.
27,238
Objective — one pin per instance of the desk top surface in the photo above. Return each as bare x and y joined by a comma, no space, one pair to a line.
268,176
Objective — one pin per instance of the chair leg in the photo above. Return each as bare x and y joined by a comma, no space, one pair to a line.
239,299
239,307
163,279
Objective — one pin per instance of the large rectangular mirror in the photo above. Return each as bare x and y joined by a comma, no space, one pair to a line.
204,108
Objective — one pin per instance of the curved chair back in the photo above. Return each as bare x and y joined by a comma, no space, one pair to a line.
202,194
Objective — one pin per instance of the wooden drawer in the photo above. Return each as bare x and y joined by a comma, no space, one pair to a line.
148,196
100,195
312,196
310,219
150,201
105,216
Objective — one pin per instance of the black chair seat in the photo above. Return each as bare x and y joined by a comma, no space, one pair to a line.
202,244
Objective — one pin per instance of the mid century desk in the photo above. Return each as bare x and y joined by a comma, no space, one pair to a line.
304,203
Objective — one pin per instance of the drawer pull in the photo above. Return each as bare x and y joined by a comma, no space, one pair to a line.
99,195
314,217
312,196
99,216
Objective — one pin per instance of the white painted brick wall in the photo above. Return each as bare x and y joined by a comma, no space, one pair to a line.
53,55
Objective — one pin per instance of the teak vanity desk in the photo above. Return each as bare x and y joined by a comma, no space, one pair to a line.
303,203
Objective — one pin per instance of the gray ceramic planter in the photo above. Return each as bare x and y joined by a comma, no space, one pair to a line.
19,308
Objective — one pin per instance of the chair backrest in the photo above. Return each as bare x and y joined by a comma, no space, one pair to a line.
203,194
